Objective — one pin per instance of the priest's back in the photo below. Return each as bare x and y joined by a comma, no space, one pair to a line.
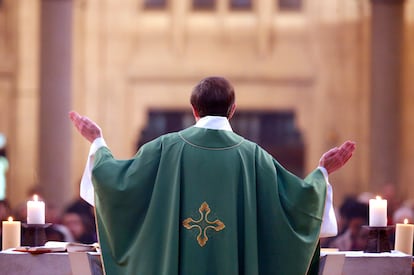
205,201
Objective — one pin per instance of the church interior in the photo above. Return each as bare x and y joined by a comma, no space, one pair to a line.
308,75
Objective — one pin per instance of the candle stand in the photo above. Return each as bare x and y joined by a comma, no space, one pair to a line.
34,234
378,239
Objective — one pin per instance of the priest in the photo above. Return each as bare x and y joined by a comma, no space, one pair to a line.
205,200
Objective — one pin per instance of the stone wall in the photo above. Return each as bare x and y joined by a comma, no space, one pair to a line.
128,59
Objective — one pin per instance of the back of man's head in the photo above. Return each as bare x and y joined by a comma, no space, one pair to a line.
213,96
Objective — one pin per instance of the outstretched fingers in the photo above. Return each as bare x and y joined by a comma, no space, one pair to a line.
346,150
348,146
86,127
74,115
335,158
76,119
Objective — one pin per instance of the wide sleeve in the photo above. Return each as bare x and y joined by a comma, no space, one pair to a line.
290,215
123,190
137,203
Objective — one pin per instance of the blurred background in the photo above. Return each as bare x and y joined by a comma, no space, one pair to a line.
308,75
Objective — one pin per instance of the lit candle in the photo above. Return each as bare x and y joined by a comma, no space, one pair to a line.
35,211
11,234
404,237
377,212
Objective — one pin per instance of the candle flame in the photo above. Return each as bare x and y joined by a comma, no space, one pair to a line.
405,221
10,219
378,197
35,197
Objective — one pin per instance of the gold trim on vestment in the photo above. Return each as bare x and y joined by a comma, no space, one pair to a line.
209,148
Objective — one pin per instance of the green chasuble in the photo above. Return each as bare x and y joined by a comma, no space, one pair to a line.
205,202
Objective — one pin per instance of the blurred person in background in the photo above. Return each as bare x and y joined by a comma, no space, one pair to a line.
79,219
4,167
353,215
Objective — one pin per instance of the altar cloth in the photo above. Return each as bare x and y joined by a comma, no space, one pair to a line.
18,263
360,263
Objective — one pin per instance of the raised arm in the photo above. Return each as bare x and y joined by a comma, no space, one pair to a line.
86,127
336,157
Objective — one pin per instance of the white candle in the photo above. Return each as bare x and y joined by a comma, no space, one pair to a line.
35,211
404,237
377,212
11,234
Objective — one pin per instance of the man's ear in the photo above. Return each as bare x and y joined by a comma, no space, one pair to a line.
232,111
195,113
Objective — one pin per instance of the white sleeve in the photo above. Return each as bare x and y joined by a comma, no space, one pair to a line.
86,186
329,226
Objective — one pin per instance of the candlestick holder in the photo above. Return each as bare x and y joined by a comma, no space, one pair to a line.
34,234
378,239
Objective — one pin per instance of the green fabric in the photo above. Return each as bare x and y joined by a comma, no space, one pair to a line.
314,267
271,218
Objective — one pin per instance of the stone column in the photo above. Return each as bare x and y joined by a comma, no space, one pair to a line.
179,9
55,101
265,12
386,57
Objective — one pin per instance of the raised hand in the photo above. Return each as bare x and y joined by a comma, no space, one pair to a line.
86,127
336,157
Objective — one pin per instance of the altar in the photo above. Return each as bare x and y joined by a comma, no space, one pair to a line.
360,263
89,263
60,263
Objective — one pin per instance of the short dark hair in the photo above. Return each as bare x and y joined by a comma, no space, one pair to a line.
213,96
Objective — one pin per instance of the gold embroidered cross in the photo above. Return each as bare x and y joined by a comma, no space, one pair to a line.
203,224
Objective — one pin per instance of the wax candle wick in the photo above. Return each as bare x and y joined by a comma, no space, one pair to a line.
10,219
